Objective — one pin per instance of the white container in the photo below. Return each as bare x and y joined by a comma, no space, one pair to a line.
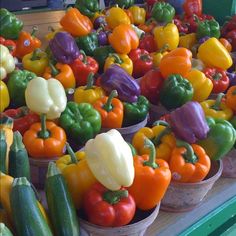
229,165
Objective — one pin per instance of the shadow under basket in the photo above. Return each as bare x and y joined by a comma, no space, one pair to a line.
181,197
229,165
138,226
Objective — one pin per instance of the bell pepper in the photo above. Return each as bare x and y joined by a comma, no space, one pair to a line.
147,42
215,143
188,40
231,37
75,23
163,12
130,15
176,91
182,26
87,8
108,208
10,25
102,36
7,63
22,117
142,62
52,32
202,85
233,123
189,163
80,121
151,84
78,176
138,31
123,39
158,55
88,93
46,97
177,61
166,35
106,166
117,78
139,14
4,96
148,26
10,44
219,79
192,7
217,108
116,16
36,62
124,3
17,84
226,44
121,60
231,98
82,67
44,140
229,24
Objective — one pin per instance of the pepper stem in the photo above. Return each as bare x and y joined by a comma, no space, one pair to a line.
108,106
152,156
34,30
35,55
52,169
161,122
189,155
78,115
71,153
157,140
54,70
44,134
84,59
216,106
164,48
217,76
90,81
17,142
118,60
145,57
50,28
113,197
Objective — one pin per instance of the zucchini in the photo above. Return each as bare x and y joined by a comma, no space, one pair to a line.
61,209
4,231
3,152
27,217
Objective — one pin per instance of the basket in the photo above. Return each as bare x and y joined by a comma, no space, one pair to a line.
229,165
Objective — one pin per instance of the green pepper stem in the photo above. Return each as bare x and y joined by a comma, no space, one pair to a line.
84,59
149,21
196,18
164,48
78,115
71,153
44,134
118,60
217,76
35,55
113,197
34,30
50,28
17,142
145,57
157,140
21,181
189,155
108,105
54,70
52,169
218,100
161,122
152,156
90,81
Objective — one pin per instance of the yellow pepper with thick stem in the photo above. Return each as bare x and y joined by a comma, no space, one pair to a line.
188,40
139,14
157,56
4,96
161,136
214,54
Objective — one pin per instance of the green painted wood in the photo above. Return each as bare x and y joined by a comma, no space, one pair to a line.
230,232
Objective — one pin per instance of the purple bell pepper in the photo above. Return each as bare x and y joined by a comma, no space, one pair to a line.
102,38
64,48
188,122
99,21
116,78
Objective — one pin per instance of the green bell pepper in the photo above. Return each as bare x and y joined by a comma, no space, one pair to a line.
135,112
124,3
10,25
175,92
87,7
233,122
220,139
17,84
80,121
163,12
87,43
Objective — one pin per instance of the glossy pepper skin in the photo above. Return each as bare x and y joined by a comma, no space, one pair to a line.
4,96
192,7
80,121
163,12
108,208
17,84
10,25
176,91
189,163
148,43
231,37
124,3
139,14
188,40
231,98
10,44
215,143
87,8
149,172
158,55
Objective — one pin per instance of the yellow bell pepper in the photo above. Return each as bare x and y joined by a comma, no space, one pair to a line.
166,35
161,136
139,14
202,85
157,56
53,32
4,96
187,41
214,54
121,60
88,93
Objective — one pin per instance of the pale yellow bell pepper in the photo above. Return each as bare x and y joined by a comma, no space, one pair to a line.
187,41
4,96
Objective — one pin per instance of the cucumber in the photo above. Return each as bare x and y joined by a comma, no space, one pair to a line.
27,217
3,151
18,158
4,231
61,209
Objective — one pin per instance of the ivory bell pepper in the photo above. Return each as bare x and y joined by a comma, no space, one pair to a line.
231,98
78,176
87,8
163,12
189,163
4,96
187,41
46,97
10,44
149,172
7,63
139,14
107,154
214,54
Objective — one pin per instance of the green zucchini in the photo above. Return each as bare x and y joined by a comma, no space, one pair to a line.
60,206
4,231
27,217
3,152
18,158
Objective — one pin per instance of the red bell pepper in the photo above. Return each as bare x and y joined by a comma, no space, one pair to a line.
107,208
151,84
82,67
229,26
182,27
23,118
10,44
219,78
148,43
150,3
192,7
231,37
142,62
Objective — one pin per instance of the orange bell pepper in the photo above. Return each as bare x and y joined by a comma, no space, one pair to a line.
152,178
76,23
123,39
45,140
226,44
189,163
231,98
111,110
148,26
130,15
27,43
61,72
177,61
